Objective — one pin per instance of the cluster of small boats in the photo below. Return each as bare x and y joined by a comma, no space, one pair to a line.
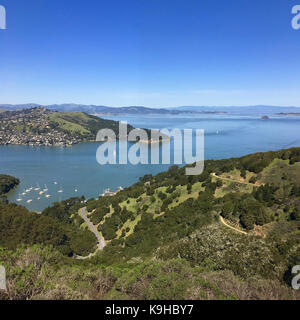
41,192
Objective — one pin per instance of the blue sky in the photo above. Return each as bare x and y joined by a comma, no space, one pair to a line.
157,53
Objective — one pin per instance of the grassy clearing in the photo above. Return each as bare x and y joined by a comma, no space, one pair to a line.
184,194
67,125
107,215
236,175
229,186
129,224
131,206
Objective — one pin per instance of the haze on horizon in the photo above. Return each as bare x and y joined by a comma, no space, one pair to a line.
150,53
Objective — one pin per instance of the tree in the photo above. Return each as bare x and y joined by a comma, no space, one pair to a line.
247,221
252,180
227,209
243,173
296,213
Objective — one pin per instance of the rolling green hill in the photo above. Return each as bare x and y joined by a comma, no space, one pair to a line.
165,238
82,124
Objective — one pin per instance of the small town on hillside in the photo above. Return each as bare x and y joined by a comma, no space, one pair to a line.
32,127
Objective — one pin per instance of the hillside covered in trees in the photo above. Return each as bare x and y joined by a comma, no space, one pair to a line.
232,232
54,227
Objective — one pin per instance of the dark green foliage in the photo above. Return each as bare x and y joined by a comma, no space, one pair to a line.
145,208
19,226
162,196
295,191
63,210
219,183
252,180
266,194
296,213
150,192
257,162
99,214
245,209
7,183
243,173
3,199
253,212
146,178
166,203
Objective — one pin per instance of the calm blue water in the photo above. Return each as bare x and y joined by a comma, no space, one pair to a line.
76,167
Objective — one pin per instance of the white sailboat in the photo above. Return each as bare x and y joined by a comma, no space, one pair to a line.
29,201
46,188
37,187
19,199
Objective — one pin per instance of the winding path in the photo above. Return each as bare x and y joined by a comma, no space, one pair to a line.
101,242
235,181
233,228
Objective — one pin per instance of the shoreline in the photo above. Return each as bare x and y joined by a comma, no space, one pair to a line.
82,142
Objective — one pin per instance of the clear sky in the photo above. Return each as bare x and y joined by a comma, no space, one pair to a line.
156,53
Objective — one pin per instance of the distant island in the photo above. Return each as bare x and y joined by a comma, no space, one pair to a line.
39,126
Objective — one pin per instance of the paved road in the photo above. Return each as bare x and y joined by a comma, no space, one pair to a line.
101,243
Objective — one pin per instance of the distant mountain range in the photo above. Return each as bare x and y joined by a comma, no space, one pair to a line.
93,109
